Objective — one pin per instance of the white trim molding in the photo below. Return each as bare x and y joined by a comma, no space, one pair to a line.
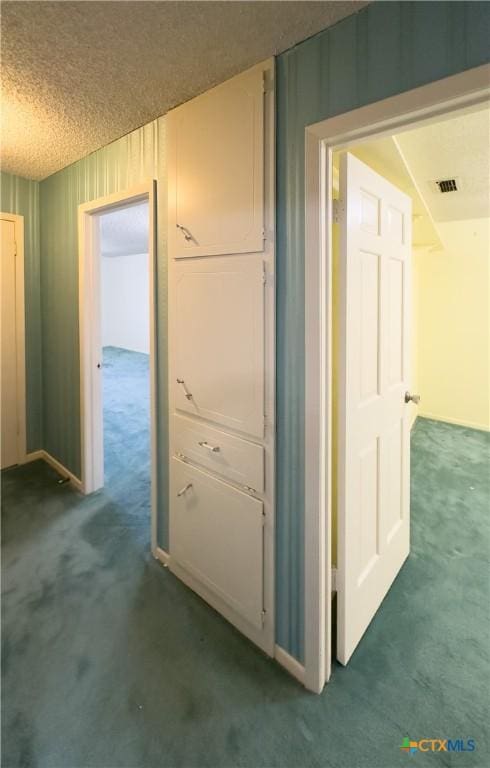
462,92
290,664
91,426
55,464
20,331
161,555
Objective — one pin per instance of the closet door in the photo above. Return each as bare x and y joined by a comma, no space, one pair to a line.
219,341
216,170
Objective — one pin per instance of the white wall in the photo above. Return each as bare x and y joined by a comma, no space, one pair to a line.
125,302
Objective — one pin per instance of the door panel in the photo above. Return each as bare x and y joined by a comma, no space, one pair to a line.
217,536
217,170
219,340
231,457
374,421
9,407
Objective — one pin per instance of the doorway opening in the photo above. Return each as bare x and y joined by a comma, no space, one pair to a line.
117,338
13,395
125,341
394,116
440,170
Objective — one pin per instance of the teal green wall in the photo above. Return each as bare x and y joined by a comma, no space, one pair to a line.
385,49
137,157
21,196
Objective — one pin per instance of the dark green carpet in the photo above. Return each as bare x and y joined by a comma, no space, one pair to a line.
126,393
109,661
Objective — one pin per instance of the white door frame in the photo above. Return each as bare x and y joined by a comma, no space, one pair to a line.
91,425
425,104
20,331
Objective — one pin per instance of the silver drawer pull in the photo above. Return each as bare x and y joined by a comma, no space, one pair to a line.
185,232
186,391
184,489
213,448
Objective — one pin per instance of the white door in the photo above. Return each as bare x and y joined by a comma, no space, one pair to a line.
9,418
219,341
216,170
374,420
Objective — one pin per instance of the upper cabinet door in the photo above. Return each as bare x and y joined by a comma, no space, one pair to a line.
216,170
218,341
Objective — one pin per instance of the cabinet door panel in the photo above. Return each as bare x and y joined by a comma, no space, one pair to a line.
219,340
216,168
217,536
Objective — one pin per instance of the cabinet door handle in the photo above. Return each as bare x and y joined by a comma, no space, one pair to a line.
184,489
185,232
213,448
186,391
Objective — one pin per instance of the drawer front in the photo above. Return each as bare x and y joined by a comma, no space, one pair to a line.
217,536
231,457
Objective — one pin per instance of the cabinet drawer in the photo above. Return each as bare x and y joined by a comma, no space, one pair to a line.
231,457
217,537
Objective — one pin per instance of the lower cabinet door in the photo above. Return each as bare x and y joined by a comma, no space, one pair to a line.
216,535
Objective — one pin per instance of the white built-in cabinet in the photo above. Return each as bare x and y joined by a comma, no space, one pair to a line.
221,349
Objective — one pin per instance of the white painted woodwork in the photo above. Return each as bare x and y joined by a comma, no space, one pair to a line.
217,535
9,417
222,347
374,451
237,460
216,170
219,344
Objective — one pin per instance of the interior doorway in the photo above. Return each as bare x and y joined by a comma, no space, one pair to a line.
117,338
441,172
421,107
125,341
13,386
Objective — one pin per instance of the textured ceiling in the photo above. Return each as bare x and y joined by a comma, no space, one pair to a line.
124,232
458,147
78,75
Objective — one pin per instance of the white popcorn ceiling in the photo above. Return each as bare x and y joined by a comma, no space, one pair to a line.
78,75
124,232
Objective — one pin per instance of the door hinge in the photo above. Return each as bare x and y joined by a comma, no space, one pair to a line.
267,82
267,421
338,210
264,273
262,616
334,579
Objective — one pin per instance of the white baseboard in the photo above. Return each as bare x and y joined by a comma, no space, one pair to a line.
160,554
457,422
290,664
45,456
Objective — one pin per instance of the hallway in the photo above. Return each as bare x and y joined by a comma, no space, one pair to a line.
110,661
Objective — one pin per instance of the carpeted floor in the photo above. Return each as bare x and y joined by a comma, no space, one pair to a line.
126,393
109,661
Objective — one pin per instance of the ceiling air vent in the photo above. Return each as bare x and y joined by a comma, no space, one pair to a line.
446,185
